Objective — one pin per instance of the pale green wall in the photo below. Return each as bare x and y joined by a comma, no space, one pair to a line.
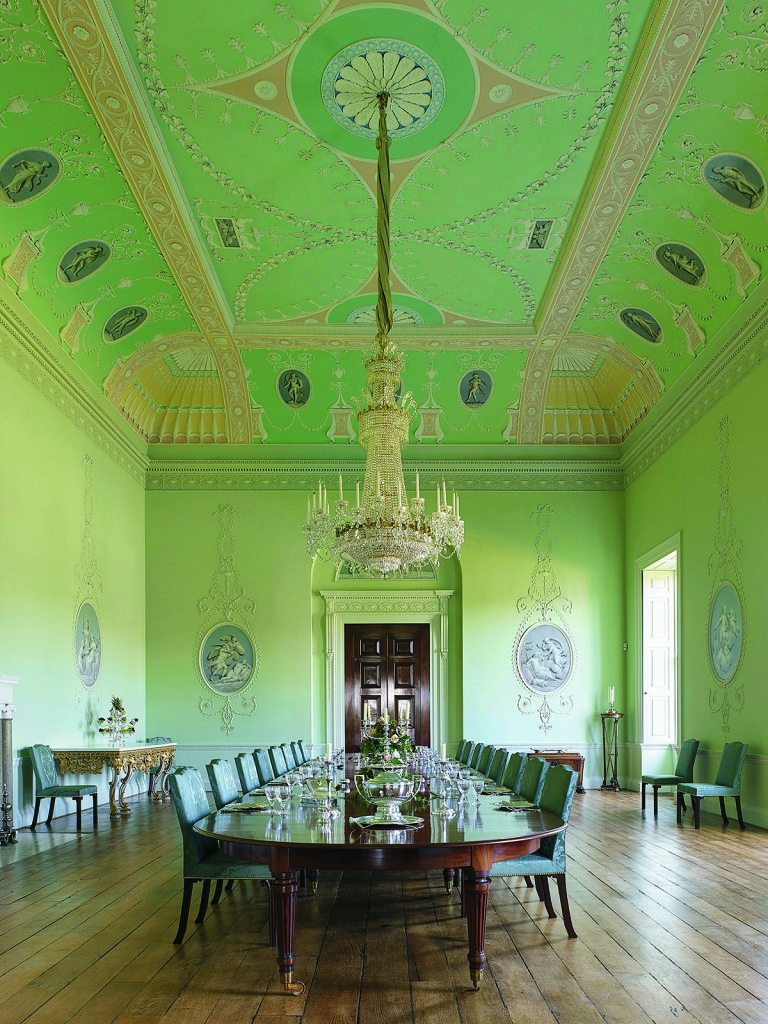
41,509
680,492
498,560
275,572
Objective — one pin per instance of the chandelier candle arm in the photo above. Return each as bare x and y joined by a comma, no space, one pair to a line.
383,533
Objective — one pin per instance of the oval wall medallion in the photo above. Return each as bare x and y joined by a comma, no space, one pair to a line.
82,260
227,659
87,643
294,388
475,388
544,657
725,627
682,263
26,174
642,323
123,322
736,180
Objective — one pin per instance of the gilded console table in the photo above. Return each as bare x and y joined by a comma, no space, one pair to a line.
123,761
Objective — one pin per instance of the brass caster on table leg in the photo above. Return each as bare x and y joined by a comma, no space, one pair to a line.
296,988
313,888
449,887
475,975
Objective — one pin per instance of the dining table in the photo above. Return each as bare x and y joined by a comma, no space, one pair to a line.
467,835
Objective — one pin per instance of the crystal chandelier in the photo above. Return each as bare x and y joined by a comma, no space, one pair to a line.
383,532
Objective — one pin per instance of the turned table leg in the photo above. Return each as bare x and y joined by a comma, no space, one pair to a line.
283,896
477,882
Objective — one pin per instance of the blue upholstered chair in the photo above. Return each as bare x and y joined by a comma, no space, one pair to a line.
223,785
155,769
277,757
305,751
513,773
477,753
485,759
532,780
460,749
246,771
466,755
549,861
498,763
263,766
48,784
203,860
683,773
290,760
298,754
727,783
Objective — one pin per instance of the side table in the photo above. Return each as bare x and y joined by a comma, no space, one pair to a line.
611,749
570,758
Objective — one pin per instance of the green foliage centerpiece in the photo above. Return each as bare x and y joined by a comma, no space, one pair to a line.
117,725
387,744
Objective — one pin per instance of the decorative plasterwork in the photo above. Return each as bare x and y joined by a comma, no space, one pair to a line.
87,575
364,606
666,59
86,41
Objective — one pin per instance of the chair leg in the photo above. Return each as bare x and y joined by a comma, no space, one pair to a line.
217,891
697,812
679,808
738,812
95,811
79,804
313,878
33,826
543,881
528,881
230,885
186,899
682,801
723,815
655,801
50,811
203,901
642,796
564,908
272,926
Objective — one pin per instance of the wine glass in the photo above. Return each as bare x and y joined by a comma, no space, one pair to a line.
477,786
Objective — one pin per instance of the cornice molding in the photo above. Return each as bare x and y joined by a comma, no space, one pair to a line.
26,353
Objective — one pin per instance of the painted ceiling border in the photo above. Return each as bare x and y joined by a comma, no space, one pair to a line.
86,41
673,38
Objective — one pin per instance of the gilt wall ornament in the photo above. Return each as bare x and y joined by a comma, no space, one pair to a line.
726,627
86,628
544,655
226,654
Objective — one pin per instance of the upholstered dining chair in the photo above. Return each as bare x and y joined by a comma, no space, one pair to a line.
485,759
222,779
460,749
305,750
477,753
549,861
683,773
246,771
727,783
290,760
467,753
532,780
48,784
155,769
263,765
298,755
513,773
277,757
203,860
498,763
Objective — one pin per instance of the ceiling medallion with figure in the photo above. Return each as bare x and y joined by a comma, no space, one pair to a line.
354,78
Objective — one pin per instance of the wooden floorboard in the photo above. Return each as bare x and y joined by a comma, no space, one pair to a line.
672,924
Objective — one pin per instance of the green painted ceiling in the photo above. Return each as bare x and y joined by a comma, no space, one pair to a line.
187,205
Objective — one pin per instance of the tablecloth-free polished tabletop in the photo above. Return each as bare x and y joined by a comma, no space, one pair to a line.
473,840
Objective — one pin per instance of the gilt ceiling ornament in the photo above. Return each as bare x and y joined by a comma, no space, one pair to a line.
227,655
544,655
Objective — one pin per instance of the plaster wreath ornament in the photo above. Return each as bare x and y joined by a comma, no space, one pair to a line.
377,750
116,724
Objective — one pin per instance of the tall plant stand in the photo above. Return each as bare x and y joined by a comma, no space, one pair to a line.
611,749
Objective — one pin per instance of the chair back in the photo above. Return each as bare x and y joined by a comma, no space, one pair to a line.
477,753
485,759
557,798
514,771
532,781
304,750
731,763
223,785
290,760
460,749
246,770
263,766
277,757
684,766
298,757
469,750
497,765
44,767
191,803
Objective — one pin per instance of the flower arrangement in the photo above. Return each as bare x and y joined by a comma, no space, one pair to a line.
117,724
374,746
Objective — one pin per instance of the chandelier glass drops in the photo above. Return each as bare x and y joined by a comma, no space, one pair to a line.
383,532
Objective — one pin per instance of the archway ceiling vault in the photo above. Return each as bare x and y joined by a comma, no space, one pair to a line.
578,205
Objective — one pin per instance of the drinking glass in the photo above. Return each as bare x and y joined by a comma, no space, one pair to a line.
477,786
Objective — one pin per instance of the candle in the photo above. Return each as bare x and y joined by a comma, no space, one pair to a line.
320,493
402,712
357,489
611,692
445,499
438,497
386,718
417,484
309,511
457,507
442,753
328,751
341,489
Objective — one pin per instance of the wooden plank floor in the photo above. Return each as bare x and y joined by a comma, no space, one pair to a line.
672,923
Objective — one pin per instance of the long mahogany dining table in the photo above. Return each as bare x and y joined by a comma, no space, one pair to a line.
473,840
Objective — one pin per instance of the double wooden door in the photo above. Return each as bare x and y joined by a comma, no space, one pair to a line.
386,666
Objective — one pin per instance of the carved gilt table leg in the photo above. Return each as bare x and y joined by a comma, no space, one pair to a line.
124,808
477,882
160,789
113,811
